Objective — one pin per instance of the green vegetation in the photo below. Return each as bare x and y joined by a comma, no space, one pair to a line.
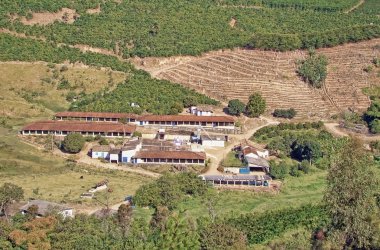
152,95
314,70
256,105
372,116
264,227
158,194
8,194
235,107
285,113
73,143
232,161
171,27
352,211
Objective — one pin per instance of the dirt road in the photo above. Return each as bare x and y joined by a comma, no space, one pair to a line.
218,155
335,130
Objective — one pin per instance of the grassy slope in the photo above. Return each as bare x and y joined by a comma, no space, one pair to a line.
20,79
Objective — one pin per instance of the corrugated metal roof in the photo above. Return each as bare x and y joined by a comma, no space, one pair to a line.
171,155
77,126
95,115
185,118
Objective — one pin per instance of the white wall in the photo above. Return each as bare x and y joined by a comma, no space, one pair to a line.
97,155
214,143
232,170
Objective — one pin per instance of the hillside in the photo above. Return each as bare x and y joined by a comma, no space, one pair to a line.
237,73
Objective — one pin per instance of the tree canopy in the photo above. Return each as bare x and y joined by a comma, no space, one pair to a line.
73,143
235,107
256,105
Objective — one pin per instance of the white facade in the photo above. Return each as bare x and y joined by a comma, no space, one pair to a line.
217,142
232,170
204,113
127,155
97,155
114,158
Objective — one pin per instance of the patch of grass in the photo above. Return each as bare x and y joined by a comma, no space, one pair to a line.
29,90
294,193
373,92
232,161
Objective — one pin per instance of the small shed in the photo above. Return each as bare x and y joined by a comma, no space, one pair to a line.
129,150
214,141
101,151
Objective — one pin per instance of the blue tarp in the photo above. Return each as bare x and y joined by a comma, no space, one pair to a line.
244,171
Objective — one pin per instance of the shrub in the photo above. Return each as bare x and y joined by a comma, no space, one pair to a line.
137,134
278,171
256,105
314,70
73,143
235,107
285,113
103,141
64,84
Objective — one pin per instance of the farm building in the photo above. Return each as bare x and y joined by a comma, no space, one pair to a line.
213,140
170,157
129,150
201,110
187,121
46,208
237,180
114,155
63,128
250,150
257,164
95,116
101,151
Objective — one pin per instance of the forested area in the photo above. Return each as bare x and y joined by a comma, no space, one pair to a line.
151,95
164,28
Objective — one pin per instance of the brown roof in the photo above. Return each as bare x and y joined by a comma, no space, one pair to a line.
76,126
101,148
130,145
95,115
171,155
185,118
249,150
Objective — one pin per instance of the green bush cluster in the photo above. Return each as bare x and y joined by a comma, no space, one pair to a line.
314,70
261,228
73,143
282,169
372,116
272,131
285,113
169,189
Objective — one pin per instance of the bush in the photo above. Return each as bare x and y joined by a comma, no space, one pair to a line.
278,171
285,113
235,107
314,70
73,143
137,134
103,141
256,105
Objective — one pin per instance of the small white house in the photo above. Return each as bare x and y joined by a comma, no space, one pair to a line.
46,208
101,151
201,110
213,141
249,150
129,150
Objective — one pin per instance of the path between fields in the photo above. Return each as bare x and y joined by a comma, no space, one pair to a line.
335,130
361,2
220,154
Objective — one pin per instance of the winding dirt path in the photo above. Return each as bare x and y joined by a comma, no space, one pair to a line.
361,2
335,130
218,156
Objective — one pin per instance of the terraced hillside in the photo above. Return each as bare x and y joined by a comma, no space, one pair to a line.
237,73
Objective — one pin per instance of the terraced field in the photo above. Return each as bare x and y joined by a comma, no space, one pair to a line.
237,73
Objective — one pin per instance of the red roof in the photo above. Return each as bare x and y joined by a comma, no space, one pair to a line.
77,126
95,115
185,118
249,150
171,155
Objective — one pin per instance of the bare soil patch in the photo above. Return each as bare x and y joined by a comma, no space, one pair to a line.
65,15
97,10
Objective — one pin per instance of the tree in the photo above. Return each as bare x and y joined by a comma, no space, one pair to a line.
256,105
124,216
9,193
285,113
179,233
349,197
223,236
373,116
305,149
279,171
73,143
235,107
33,211
314,70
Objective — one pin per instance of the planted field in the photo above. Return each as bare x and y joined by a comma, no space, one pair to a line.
172,27
238,73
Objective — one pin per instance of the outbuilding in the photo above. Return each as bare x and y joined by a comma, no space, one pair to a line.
101,151
214,141
45,208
